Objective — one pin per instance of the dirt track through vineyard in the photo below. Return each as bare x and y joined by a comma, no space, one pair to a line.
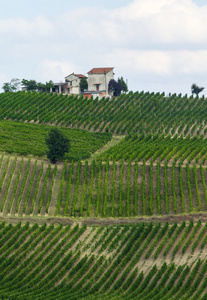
104,221
114,141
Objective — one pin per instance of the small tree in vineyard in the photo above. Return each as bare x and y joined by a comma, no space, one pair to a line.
58,145
196,89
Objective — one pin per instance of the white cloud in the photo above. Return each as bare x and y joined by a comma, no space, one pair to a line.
141,9
150,61
140,24
19,27
191,62
55,70
161,21
163,63
160,38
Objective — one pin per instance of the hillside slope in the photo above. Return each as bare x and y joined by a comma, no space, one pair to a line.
143,261
138,112
129,223
29,186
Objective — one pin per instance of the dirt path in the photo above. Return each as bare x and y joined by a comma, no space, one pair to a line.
114,141
105,221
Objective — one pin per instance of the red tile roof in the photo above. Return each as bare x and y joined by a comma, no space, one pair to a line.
80,75
100,70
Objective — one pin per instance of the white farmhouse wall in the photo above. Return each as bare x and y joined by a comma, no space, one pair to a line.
75,90
102,80
73,81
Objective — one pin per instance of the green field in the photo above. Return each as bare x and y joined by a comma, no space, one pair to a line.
123,216
25,139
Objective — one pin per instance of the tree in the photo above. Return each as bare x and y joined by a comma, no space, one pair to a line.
83,84
195,89
58,144
123,83
114,88
11,86
117,86
7,87
30,85
45,87
49,85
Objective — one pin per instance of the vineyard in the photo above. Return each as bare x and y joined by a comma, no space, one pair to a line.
159,147
114,262
124,216
138,112
25,139
100,189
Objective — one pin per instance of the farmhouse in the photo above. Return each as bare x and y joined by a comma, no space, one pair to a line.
98,80
70,86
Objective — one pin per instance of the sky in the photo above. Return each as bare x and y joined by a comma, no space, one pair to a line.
156,45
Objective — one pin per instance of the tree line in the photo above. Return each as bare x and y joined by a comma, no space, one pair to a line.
32,85
29,85
117,87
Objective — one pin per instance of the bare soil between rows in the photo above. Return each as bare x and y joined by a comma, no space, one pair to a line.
105,221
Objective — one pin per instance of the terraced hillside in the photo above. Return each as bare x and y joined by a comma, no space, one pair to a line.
127,223
143,261
134,112
159,147
100,189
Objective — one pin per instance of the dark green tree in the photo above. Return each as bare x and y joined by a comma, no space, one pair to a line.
196,89
7,87
58,144
11,86
49,85
123,83
117,86
83,84
30,85
45,87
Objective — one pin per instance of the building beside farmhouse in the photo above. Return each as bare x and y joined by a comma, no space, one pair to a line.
98,81
60,87
70,86
73,81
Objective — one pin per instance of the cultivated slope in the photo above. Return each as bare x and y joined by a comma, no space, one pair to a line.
154,174
134,112
105,262
100,189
